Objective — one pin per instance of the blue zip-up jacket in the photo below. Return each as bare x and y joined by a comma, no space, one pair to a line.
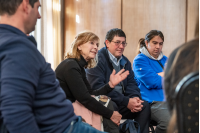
149,82
100,75
31,100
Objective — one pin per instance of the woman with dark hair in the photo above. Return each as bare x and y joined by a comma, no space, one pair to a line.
148,67
182,61
72,77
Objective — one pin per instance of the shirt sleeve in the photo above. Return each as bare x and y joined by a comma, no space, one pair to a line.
146,74
19,78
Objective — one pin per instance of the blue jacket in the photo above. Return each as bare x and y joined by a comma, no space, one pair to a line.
31,99
100,75
149,82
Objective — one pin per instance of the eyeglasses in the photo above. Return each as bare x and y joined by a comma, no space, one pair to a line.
118,43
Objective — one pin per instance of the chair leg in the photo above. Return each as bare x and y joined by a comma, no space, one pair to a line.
151,129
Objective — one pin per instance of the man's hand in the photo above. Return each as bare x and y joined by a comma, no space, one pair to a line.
135,104
117,78
116,117
161,74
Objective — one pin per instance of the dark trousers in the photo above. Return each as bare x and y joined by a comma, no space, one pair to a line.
108,125
142,117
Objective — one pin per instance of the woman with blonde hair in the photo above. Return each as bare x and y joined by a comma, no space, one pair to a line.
72,76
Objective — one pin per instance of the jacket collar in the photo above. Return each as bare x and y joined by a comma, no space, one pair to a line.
8,28
32,39
145,52
5,28
82,62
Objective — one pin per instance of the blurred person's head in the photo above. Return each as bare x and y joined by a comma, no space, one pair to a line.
115,42
182,61
153,42
85,44
185,62
22,14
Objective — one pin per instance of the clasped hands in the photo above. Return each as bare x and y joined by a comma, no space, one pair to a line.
135,104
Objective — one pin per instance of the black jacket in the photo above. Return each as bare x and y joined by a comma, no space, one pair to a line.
72,77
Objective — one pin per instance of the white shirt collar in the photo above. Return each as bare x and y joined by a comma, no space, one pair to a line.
114,59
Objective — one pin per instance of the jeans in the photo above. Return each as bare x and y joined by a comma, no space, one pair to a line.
77,126
160,114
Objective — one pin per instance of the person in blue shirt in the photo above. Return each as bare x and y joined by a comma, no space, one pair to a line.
31,99
148,68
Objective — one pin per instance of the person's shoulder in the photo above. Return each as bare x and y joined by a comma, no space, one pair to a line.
19,46
164,57
69,63
102,52
102,55
125,58
140,56
18,42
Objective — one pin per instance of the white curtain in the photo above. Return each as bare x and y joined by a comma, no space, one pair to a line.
48,32
57,43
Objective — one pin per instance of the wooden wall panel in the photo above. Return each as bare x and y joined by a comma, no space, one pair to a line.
175,18
141,16
98,16
69,23
192,16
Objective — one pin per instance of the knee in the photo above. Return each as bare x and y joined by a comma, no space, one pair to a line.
115,107
163,124
146,111
146,107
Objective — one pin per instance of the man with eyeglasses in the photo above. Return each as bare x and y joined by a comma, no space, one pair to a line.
126,95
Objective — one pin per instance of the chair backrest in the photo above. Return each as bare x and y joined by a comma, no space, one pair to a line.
187,103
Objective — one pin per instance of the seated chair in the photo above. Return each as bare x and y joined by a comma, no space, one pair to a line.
152,126
187,103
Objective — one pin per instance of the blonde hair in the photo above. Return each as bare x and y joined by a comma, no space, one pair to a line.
80,39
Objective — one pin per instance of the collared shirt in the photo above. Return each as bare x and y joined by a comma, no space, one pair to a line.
114,59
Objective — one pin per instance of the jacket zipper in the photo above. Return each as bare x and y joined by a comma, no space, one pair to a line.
122,81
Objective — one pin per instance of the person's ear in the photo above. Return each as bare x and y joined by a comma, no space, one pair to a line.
107,43
25,4
79,47
146,43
